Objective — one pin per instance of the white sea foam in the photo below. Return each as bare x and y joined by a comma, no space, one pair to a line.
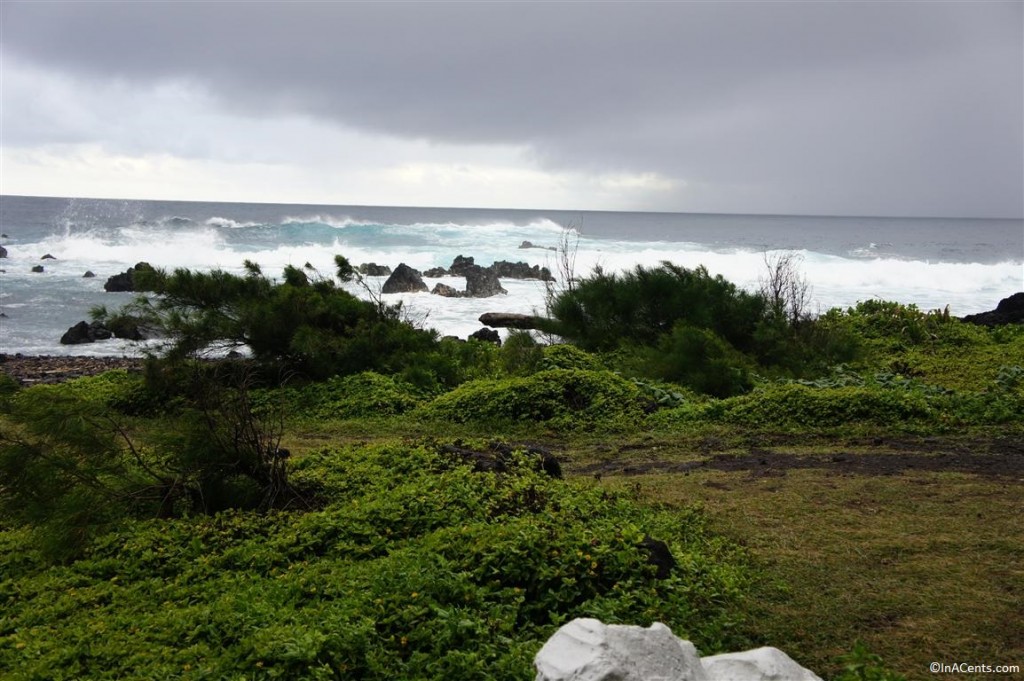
330,220
229,223
43,306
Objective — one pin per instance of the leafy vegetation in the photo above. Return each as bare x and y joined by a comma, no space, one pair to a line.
305,323
193,524
416,567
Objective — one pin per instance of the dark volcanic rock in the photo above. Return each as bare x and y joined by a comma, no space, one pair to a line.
404,280
482,282
499,455
489,335
37,269
84,332
446,291
1008,311
372,269
460,266
48,257
510,320
435,272
520,270
530,244
89,274
658,555
126,280
129,328
3,252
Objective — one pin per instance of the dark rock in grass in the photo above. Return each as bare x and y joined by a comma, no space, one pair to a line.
446,291
500,454
37,269
48,257
372,269
89,274
404,280
510,320
125,281
1008,311
658,555
487,335
84,332
435,272
481,282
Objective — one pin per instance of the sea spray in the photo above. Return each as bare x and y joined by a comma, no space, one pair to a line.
968,264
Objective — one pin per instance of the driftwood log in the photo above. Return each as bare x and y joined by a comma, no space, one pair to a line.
511,320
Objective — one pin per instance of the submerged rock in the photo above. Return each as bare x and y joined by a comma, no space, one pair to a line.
125,281
48,257
482,282
372,269
84,332
521,270
446,291
3,252
404,280
38,268
460,265
89,274
530,244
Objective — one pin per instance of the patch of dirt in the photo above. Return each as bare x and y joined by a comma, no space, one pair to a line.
55,369
989,457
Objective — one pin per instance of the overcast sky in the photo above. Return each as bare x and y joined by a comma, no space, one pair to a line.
861,108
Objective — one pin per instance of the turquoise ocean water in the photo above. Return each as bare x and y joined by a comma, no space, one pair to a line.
967,264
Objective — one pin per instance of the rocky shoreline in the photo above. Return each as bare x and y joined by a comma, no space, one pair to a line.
33,370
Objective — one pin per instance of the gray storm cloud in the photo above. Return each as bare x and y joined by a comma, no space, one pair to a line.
898,108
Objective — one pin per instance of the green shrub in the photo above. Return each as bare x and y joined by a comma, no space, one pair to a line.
520,354
561,398
364,395
800,405
698,359
860,664
417,568
563,356
306,322
603,310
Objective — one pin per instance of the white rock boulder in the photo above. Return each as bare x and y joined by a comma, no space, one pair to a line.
589,650
760,664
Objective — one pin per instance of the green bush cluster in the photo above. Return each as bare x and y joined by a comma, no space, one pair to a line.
364,395
564,399
417,567
305,323
804,406
681,325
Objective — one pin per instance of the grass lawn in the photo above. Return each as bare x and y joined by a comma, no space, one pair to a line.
920,566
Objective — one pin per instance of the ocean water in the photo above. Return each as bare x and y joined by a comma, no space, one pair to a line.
967,264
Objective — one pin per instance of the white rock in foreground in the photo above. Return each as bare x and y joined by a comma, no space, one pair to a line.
589,650
760,664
